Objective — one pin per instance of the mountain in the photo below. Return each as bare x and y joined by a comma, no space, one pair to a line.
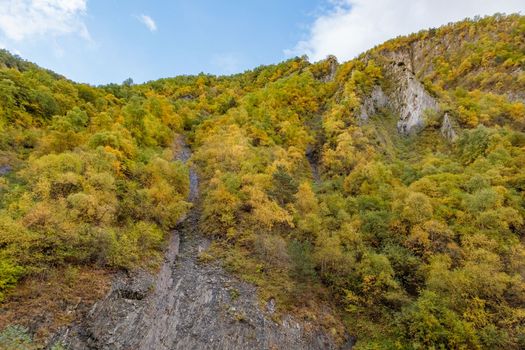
377,203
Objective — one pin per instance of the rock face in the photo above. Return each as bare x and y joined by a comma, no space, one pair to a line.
188,305
447,130
332,61
412,101
4,170
375,102
406,96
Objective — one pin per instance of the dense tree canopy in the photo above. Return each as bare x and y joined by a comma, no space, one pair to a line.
409,242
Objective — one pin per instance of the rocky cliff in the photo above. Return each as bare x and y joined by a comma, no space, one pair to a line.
405,96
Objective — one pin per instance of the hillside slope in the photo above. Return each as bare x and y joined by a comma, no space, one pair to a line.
381,200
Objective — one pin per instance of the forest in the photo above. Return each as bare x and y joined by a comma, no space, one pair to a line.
401,241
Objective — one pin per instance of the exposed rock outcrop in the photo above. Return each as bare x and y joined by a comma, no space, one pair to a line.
405,96
447,130
417,56
409,98
374,103
188,305
4,170
333,64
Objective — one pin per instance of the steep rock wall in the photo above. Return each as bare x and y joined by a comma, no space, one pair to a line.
406,96
410,99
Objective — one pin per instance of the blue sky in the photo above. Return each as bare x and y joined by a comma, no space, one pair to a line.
103,41
191,36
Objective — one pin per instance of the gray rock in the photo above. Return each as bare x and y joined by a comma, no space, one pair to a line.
5,169
374,103
447,130
410,99
183,154
332,60
270,306
405,96
187,305
190,307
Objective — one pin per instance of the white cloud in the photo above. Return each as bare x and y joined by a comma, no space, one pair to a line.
24,19
148,22
354,26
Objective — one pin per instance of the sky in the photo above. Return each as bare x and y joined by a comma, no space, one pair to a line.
106,41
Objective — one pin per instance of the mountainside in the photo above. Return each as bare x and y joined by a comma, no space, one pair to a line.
373,204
